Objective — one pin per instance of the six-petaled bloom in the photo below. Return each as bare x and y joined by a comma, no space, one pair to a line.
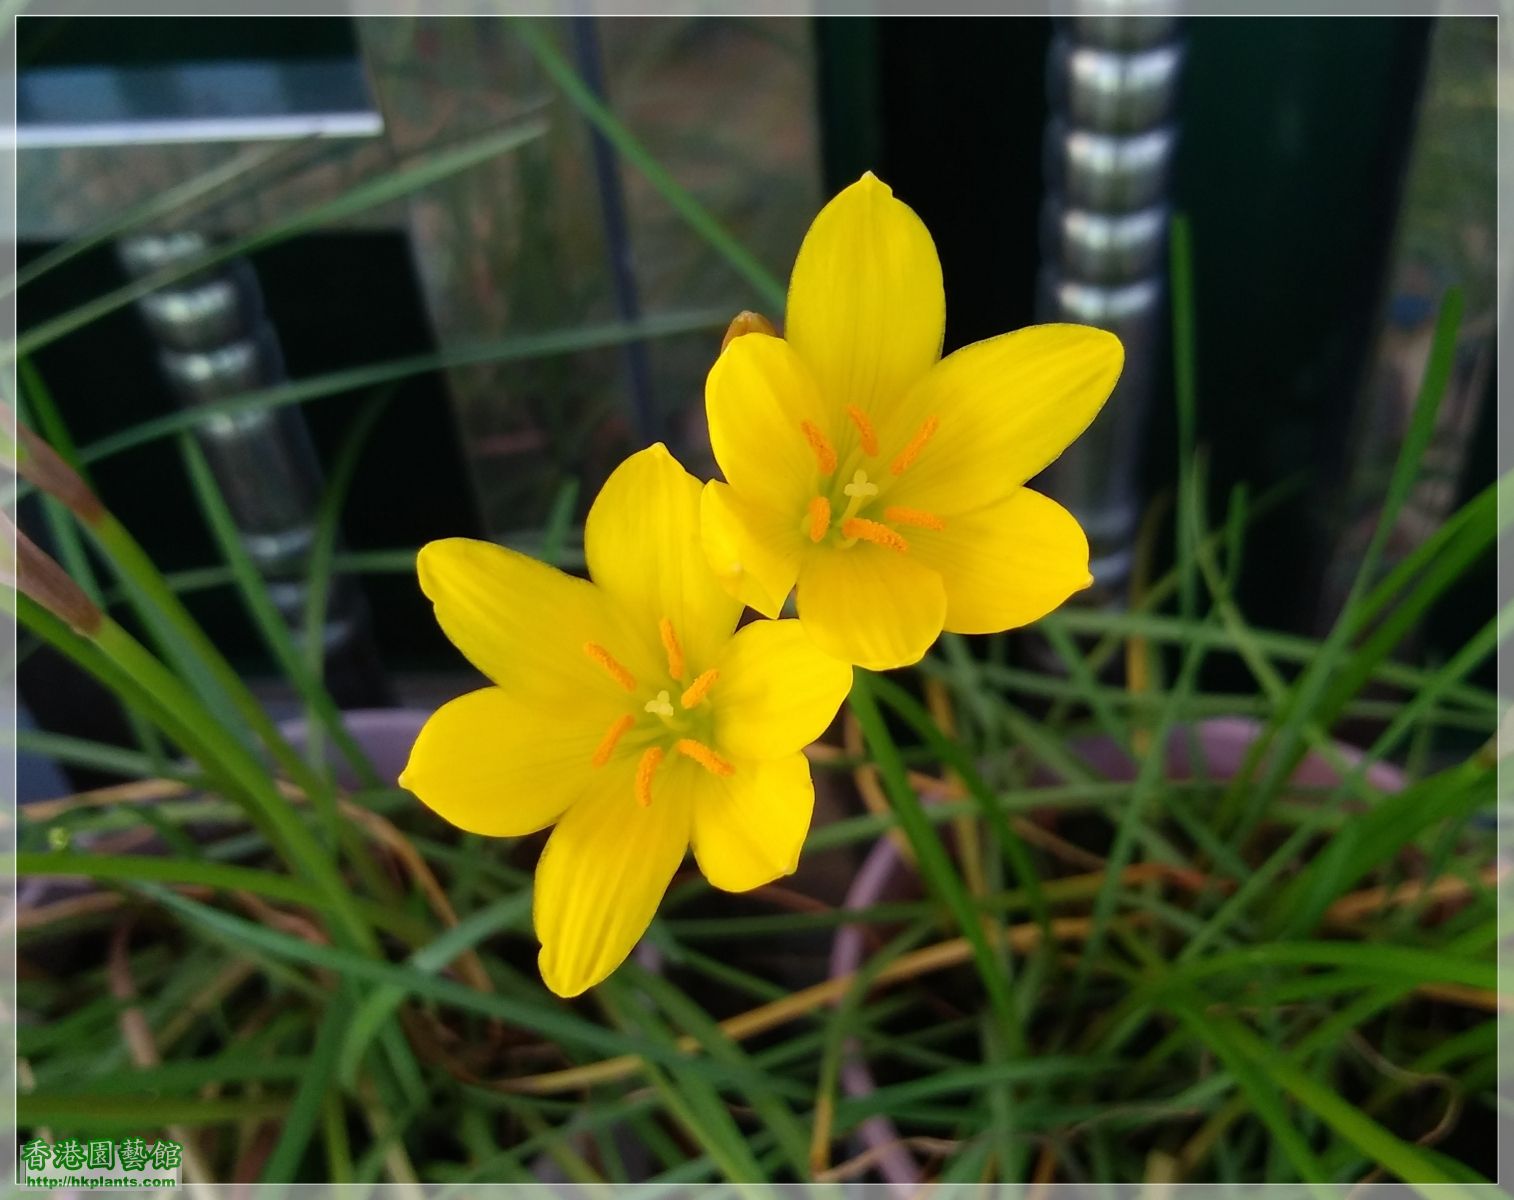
629,711
884,480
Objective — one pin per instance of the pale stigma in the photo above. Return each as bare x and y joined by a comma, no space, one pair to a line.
858,492
662,706
859,488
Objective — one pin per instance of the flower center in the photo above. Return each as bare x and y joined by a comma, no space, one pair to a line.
658,726
855,513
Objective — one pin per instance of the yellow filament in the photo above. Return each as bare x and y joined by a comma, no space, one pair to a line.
699,689
913,516
820,517
645,769
865,429
859,528
825,453
607,660
675,651
704,756
612,738
916,444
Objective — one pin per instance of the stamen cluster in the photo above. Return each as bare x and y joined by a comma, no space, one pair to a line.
671,728
862,495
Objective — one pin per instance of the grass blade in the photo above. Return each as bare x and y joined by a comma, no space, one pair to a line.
133,1114
988,805
97,756
270,624
310,1099
547,1019
1278,755
1400,1158
1185,387
1219,1034
376,1008
118,661
228,877
934,863
520,348
318,575
691,1099
180,202
393,184
582,97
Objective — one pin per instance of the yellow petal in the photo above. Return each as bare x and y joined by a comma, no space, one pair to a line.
493,764
604,871
870,606
777,692
866,308
757,398
519,621
1006,565
752,551
750,826
643,547
1006,408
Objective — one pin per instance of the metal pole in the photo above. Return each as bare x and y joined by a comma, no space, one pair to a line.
1109,148
214,342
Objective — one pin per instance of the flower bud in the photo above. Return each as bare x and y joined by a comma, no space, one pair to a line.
747,322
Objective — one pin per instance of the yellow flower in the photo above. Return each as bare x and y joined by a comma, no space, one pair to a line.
885,480
626,712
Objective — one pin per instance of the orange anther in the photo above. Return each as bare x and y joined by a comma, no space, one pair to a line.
916,444
861,529
825,453
820,517
608,743
699,688
864,428
671,645
607,660
913,516
645,769
704,756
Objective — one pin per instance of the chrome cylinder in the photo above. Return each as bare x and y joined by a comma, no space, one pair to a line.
1110,139
214,341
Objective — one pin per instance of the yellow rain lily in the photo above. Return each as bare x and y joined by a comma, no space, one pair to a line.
884,480
629,712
